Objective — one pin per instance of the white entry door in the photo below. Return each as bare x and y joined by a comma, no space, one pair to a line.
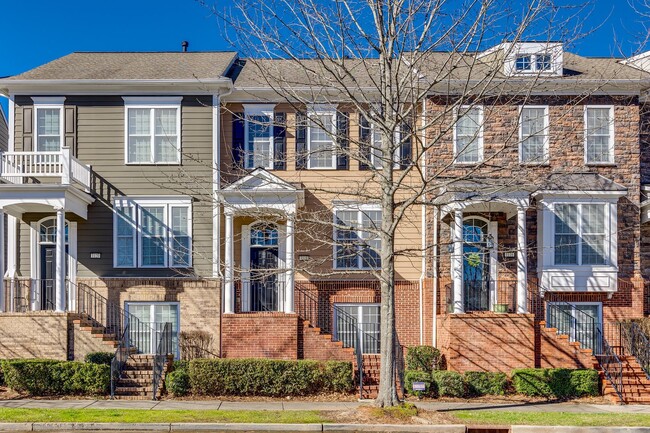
154,316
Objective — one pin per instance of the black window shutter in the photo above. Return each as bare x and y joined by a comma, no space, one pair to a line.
343,140
406,145
364,143
279,141
301,141
238,139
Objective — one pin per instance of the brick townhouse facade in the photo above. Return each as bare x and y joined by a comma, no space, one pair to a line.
182,188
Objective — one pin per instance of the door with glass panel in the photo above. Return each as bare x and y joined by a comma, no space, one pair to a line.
580,321
349,318
153,317
476,265
265,287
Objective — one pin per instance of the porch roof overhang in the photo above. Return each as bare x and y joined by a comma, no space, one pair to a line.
482,196
16,199
261,190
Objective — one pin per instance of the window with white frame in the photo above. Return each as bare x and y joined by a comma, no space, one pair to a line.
153,130
356,236
258,150
320,139
533,134
533,62
468,135
599,135
581,234
48,113
152,233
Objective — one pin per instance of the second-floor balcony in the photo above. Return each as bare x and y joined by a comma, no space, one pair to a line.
37,167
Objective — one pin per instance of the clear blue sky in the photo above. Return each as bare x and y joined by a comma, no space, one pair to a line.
41,30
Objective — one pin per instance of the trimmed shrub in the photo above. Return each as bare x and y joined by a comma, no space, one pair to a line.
267,377
486,383
423,358
39,377
448,384
411,376
103,358
555,382
177,381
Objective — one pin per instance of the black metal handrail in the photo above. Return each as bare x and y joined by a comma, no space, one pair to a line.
163,350
265,294
611,365
636,343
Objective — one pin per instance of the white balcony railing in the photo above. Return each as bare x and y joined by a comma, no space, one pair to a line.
15,167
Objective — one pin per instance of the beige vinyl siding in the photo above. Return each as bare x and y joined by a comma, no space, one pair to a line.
321,187
100,143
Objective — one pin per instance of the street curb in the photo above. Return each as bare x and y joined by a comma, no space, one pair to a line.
205,427
564,429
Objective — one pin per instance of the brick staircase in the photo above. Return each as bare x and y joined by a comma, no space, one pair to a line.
319,345
136,381
636,385
557,351
95,330
370,375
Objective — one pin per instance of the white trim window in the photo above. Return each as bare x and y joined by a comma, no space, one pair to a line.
530,63
356,237
152,233
367,317
376,151
581,234
468,135
321,146
152,130
533,134
154,315
599,134
48,121
258,136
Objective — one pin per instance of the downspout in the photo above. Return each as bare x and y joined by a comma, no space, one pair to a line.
423,274
434,337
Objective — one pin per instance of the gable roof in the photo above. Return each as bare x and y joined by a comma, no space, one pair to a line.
133,66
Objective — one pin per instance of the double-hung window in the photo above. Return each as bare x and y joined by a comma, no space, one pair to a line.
48,113
258,138
533,134
152,132
152,233
356,235
581,234
527,63
321,143
599,134
468,135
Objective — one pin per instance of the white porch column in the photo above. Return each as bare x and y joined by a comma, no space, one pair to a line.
60,260
522,265
229,289
457,262
289,262
3,289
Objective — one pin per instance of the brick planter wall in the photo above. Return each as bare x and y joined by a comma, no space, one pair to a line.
260,335
487,341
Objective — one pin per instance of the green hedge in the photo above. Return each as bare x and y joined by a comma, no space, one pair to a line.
423,358
104,358
411,376
486,383
266,377
555,382
40,377
448,384
177,381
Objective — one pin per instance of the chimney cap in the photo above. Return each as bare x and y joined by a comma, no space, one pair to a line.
185,44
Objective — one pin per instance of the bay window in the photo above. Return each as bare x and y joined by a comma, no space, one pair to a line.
580,234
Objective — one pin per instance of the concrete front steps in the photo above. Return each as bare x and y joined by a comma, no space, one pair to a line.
136,381
636,385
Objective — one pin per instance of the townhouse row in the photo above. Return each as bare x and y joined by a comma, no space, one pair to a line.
186,188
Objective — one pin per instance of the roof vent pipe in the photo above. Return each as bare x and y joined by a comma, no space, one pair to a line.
185,44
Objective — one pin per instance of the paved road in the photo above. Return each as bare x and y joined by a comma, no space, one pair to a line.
305,405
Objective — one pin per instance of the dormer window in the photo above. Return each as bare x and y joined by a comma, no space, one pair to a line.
533,63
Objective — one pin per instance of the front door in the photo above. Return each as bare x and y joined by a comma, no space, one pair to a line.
48,275
264,283
476,265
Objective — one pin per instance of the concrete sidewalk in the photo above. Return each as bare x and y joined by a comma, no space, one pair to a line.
306,405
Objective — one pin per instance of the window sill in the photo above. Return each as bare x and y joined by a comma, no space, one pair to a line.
535,164
153,163
600,164
321,168
467,164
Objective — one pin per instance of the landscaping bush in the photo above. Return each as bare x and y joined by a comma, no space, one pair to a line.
555,382
177,381
448,384
41,377
266,377
411,376
486,383
103,358
423,358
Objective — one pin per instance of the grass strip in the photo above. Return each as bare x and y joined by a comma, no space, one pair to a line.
161,416
553,418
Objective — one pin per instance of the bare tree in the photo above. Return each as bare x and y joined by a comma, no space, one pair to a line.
383,60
